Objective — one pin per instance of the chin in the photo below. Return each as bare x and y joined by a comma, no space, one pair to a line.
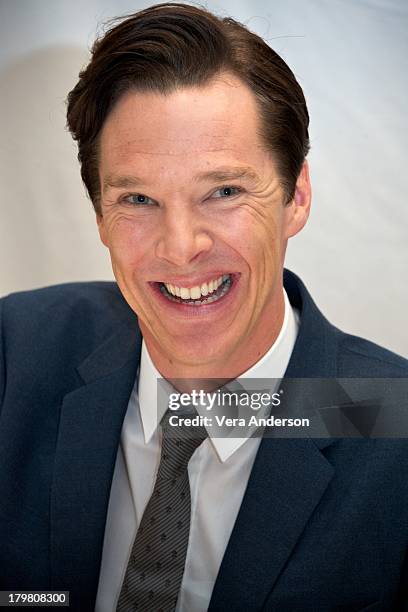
198,351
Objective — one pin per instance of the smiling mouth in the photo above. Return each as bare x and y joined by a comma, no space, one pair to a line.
207,293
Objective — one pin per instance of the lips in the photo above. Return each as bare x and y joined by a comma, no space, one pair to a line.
198,291
198,295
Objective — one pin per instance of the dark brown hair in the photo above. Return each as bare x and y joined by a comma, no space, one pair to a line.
172,45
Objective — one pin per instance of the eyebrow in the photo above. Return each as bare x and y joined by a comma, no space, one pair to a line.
121,182
222,174
228,174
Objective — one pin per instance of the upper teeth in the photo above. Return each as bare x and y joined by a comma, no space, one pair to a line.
194,293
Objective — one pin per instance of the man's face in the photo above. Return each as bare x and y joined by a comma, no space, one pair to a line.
194,218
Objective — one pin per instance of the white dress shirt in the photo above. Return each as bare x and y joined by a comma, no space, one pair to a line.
218,472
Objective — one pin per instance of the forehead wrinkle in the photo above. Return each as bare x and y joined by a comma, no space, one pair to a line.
179,145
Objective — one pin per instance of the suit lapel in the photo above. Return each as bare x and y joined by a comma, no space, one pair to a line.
88,438
288,479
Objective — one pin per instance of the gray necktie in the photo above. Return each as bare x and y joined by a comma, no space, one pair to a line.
156,564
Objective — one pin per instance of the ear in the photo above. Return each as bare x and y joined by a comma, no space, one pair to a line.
298,209
102,229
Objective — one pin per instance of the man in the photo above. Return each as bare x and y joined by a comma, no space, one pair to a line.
192,138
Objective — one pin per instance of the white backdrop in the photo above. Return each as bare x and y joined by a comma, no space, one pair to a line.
351,57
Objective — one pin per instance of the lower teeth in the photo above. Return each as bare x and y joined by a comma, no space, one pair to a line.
222,290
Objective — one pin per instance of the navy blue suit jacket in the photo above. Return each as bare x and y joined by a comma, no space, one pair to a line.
323,525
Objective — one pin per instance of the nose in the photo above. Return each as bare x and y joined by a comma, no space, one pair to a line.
182,237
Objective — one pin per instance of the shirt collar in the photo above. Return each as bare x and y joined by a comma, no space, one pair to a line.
272,365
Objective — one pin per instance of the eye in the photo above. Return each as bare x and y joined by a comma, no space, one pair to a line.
138,199
226,192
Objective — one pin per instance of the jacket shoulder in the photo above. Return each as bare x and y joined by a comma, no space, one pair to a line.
45,333
360,357
73,292
99,302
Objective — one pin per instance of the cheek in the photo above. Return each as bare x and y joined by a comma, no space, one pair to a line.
128,240
254,235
